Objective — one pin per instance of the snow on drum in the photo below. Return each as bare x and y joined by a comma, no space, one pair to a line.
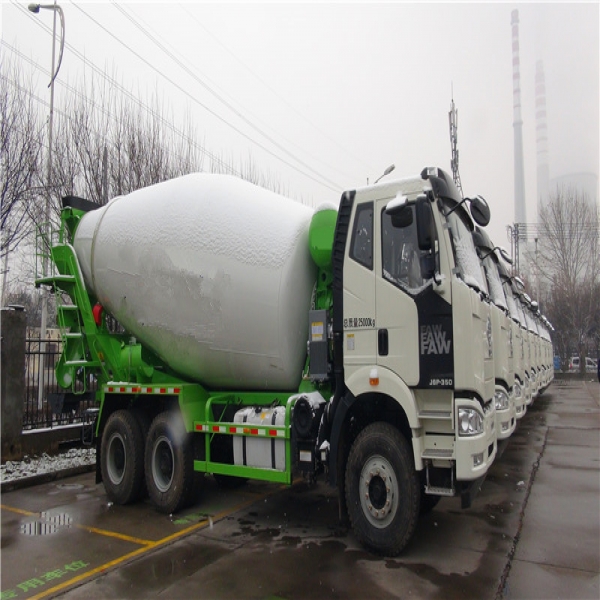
211,272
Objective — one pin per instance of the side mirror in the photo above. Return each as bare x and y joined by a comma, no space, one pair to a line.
506,256
480,211
402,219
400,211
425,225
478,239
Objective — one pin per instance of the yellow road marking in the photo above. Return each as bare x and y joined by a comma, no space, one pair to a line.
120,536
19,511
148,546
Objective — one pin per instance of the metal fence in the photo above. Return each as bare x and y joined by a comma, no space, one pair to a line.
46,404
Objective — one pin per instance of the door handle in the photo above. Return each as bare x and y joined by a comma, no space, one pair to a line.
382,342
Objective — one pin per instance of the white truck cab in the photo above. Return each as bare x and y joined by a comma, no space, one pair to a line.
416,334
518,345
502,335
527,383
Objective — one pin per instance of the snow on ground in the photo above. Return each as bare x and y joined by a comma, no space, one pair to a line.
38,465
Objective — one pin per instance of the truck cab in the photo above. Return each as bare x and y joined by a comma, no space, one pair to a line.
533,344
526,336
547,349
501,334
517,343
413,333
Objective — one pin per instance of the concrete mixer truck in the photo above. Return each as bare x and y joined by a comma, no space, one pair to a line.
258,338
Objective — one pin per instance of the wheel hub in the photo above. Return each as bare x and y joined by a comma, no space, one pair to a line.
162,463
379,491
116,459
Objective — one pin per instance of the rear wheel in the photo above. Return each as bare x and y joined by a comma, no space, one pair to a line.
122,458
382,489
169,462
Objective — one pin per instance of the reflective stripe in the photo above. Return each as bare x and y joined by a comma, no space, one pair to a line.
235,430
141,390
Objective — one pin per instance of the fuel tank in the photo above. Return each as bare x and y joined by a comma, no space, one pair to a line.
211,272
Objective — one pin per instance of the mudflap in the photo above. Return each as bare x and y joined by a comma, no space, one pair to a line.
98,464
468,491
89,426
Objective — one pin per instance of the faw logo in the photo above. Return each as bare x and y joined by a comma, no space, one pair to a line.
433,340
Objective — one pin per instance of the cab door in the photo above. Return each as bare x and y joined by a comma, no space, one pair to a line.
414,320
359,291
398,279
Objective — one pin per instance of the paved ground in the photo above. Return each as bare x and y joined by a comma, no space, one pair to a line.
533,532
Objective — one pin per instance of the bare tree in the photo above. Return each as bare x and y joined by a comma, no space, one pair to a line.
107,142
21,153
570,262
132,143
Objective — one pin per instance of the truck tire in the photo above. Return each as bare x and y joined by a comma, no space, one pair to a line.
144,421
382,489
122,458
169,462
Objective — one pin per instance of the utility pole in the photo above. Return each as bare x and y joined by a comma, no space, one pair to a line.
47,232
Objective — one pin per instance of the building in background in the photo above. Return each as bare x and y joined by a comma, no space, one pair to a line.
585,182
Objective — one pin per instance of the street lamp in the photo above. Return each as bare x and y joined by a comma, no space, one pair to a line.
35,8
386,172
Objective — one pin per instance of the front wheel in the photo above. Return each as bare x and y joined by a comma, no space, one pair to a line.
382,489
169,462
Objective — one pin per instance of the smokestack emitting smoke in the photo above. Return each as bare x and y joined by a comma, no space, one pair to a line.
541,137
517,124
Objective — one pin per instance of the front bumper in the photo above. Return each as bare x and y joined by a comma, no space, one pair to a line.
475,453
506,418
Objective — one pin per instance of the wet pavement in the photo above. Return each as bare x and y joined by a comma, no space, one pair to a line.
532,532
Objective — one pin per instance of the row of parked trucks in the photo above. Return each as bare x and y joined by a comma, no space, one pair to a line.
382,344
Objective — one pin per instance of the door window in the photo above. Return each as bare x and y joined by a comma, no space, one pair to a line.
361,248
402,259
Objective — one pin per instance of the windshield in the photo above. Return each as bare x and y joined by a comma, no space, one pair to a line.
403,262
467,261
494,283
530,322
521,313
510,301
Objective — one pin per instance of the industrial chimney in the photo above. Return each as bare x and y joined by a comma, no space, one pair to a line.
520,216
541,138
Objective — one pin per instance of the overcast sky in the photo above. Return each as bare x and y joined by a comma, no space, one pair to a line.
347,89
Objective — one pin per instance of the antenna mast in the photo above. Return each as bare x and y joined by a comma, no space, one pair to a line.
453,117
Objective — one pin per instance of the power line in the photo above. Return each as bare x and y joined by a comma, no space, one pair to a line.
329,184
216,160
571,229
86,99
275,93
196,75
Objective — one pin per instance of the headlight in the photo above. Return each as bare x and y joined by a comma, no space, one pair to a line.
501,398
517,391
470,422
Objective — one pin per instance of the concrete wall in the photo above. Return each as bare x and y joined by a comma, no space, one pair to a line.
12,380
